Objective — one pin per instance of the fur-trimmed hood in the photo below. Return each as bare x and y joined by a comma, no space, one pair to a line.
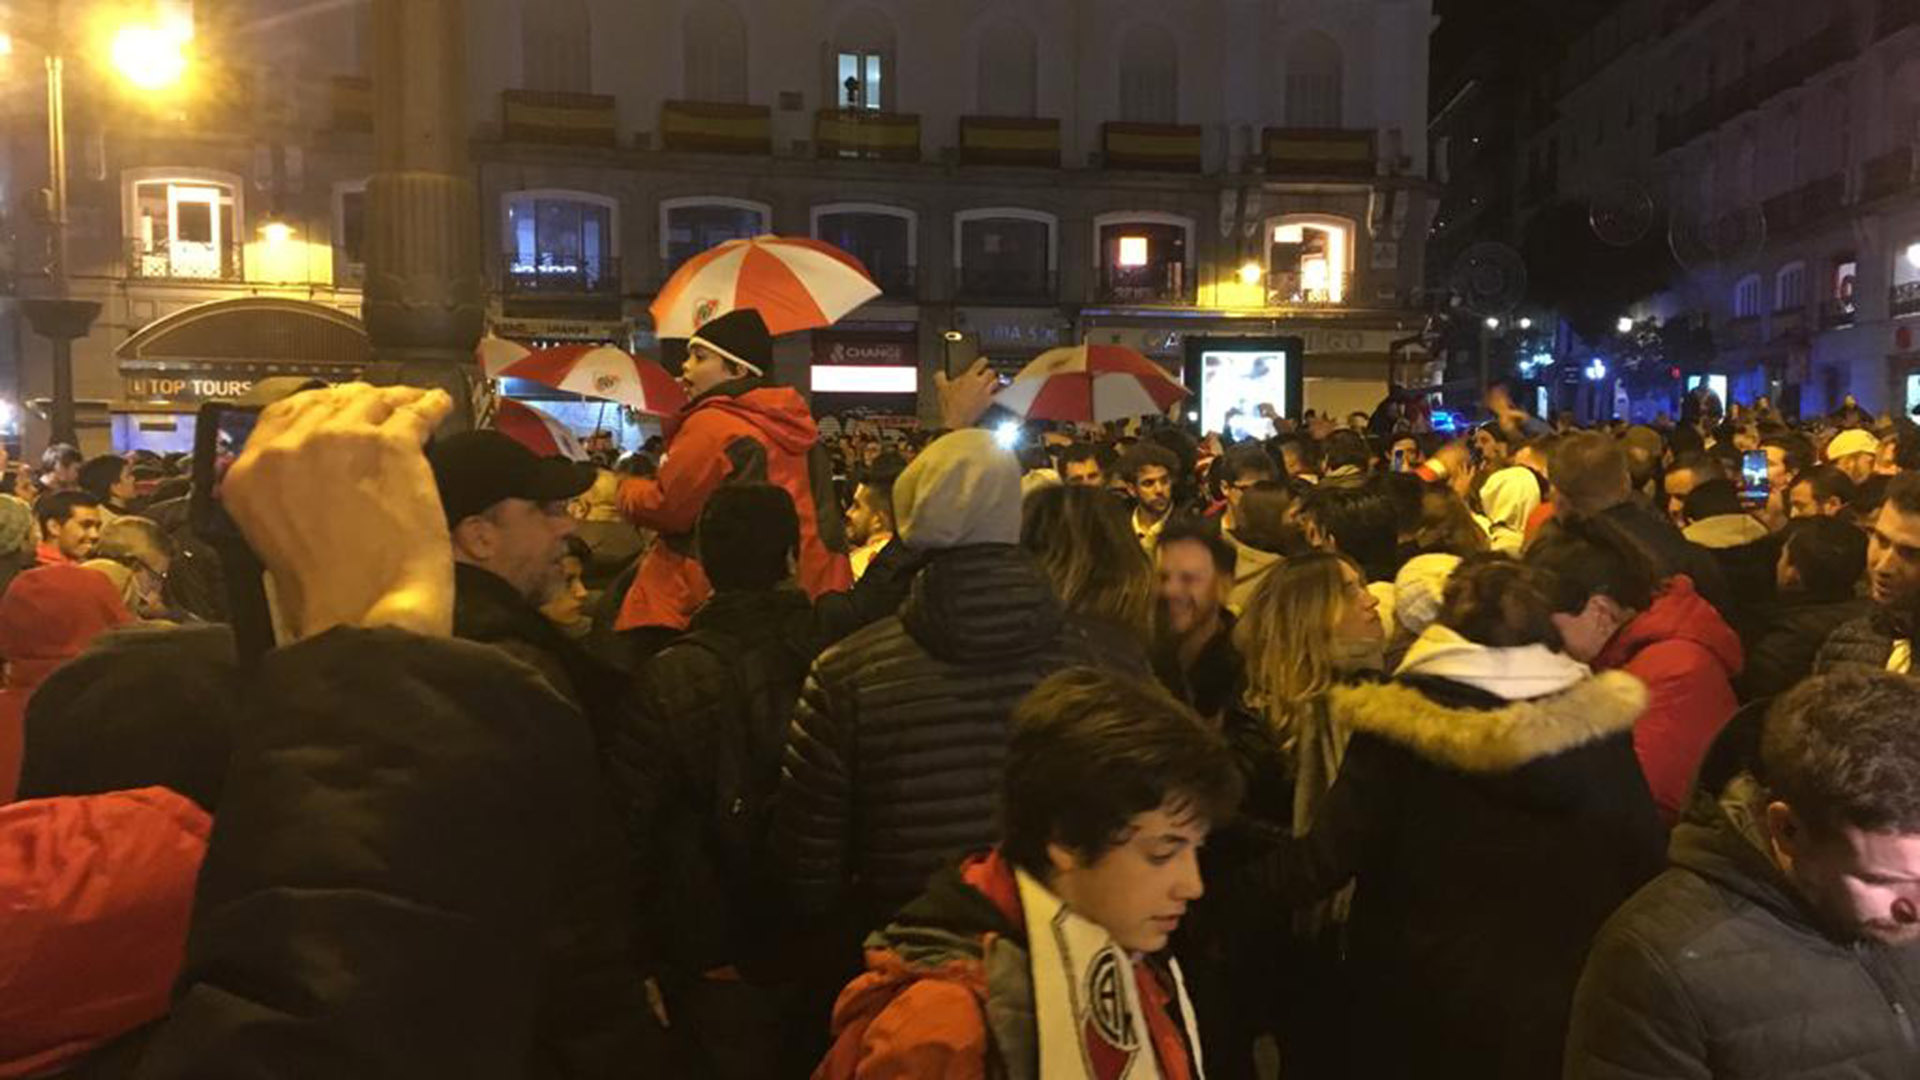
1501,738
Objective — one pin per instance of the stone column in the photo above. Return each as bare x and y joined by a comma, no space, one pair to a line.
425,304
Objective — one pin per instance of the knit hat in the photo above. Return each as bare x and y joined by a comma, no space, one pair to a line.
1850,442
741,336
963,489
1418,591
16,525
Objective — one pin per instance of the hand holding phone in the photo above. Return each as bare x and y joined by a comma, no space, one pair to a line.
1755,481
333,493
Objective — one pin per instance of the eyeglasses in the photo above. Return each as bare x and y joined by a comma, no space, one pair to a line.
139,565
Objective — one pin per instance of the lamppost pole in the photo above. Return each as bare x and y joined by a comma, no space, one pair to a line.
57,316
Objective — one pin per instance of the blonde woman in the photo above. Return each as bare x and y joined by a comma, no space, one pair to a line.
1084,544
1310,628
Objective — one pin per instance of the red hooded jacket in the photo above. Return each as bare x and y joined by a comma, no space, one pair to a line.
48,616
763,434
97,891
1688,656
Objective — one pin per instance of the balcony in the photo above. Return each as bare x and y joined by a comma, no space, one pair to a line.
1895,16
548,275
978,283
1790,324
557,118
709,127
1805,206
895,281
1836,313
183,261
350,101
1889,174
1318,152
1741,332
1904,300
1162,284
1015,141
1791,68
1156,147
868,135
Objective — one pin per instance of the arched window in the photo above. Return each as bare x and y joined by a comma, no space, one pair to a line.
1149,76
556,45
183,223
560,241
690,226
1008,70
1746,297
716,52
881,237
1005,252
1143,256
1790,287
863,61
1315,87
1309,258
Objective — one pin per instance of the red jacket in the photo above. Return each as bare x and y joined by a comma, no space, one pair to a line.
764,434
48,616
1688,656
97,891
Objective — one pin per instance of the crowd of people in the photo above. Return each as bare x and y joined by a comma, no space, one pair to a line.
1359,752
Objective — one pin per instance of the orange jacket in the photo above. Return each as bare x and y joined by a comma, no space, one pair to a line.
97,891
761,434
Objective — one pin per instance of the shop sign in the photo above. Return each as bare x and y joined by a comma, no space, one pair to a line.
836,351
185,389
560,330
1015,328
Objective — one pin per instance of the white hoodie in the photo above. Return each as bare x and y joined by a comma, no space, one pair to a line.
1517,674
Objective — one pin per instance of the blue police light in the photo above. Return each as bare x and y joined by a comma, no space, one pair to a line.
1447,422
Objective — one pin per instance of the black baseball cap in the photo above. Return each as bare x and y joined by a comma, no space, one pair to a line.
476,469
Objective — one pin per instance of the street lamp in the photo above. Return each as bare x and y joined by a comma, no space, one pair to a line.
151,58
1625,325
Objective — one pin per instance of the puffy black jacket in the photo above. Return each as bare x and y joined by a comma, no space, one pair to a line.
697,766
1784,641
1863,644
143,705
1717,970
1676,554
1487,842
489,610
413,874
893,765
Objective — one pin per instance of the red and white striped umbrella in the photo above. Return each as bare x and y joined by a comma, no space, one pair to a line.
794,282
536,430
1090,384
595,371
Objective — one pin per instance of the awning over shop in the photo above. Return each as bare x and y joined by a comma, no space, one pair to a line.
220,349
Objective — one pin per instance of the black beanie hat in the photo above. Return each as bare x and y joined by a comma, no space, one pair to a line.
741,336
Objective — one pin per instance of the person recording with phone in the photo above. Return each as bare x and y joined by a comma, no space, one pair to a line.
412,841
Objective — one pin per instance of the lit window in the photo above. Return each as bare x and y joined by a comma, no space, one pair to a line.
1133,251
859,75
1310,262
184,229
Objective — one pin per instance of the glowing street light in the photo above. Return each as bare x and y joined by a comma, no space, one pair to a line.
276,233
1250,274
1596,369
151,57
1526,324
1493,323
1625,325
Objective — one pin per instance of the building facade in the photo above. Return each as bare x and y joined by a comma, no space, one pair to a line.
1773,144
1026,174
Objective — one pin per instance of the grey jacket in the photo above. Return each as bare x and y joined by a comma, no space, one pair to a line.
1717,970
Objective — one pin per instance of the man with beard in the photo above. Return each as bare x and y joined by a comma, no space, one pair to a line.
507,512
1781,942
1194,656
1148,469
1883,639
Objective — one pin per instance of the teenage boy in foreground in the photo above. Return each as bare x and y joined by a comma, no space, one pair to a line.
1042,956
